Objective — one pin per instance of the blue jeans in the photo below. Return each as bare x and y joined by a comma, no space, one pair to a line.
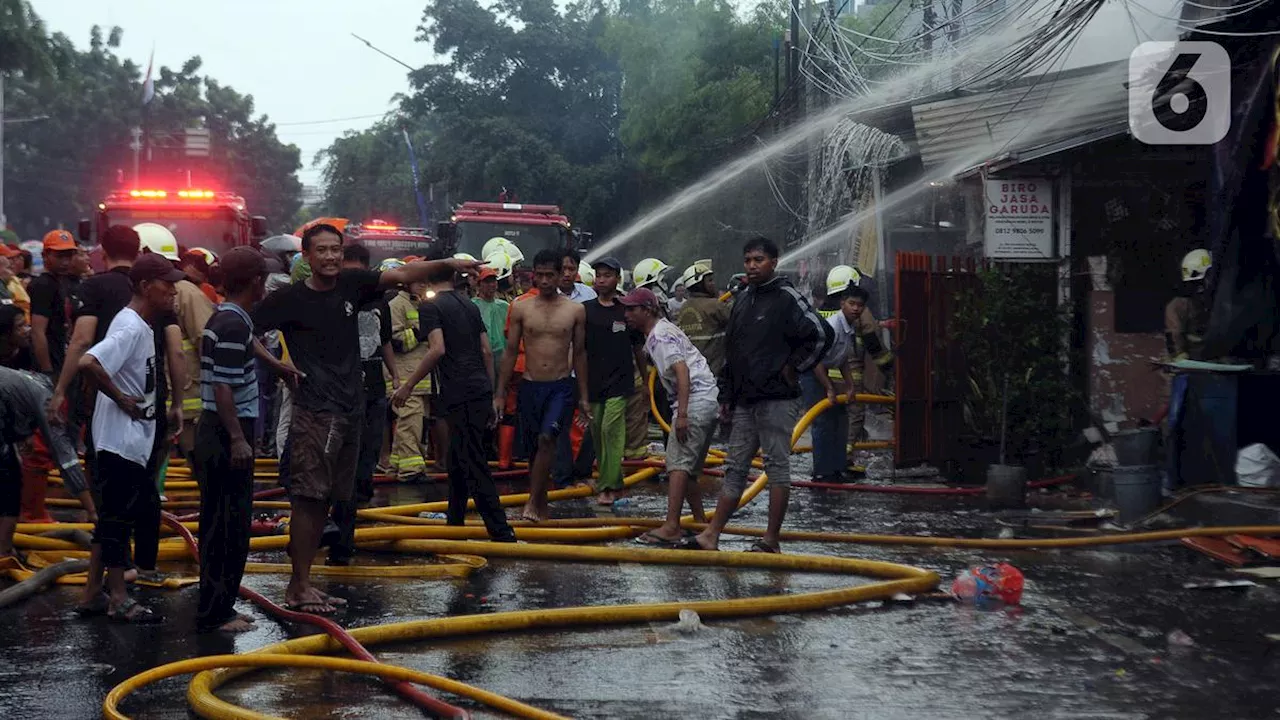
830,431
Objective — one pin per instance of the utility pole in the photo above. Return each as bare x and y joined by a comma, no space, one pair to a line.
4,223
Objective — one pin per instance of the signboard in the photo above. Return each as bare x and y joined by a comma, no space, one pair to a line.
1019,219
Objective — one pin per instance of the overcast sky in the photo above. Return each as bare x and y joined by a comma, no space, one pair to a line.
295,57
299,62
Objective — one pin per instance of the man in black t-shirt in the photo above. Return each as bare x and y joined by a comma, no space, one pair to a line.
53,300
615,352
458,349
319,320
375,352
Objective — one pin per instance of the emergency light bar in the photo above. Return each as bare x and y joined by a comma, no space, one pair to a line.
162,194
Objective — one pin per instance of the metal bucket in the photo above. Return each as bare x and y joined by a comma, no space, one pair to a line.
1137,491
1006,486
1136,447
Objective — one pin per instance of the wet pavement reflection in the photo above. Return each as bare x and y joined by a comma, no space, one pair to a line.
1092,639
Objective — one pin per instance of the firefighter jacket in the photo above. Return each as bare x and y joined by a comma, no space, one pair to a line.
865,341
1186,320
705,319
771,327
193,309
409,348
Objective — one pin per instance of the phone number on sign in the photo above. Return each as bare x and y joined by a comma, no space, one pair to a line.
1018,231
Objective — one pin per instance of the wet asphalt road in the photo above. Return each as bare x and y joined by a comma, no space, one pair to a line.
1090,640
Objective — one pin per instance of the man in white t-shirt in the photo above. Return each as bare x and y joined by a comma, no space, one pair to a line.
694,409
123,366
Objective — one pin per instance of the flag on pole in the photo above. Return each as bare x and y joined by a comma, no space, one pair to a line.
148,85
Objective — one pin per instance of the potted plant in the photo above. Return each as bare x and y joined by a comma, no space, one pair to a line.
1012,334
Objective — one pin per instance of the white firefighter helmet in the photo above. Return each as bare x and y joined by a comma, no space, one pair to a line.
695,274
390,264
500,261
649,271
841,278
158,239
209,257
1195,264
586,273
500,243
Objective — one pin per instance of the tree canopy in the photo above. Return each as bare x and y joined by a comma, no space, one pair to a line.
77,109
599,107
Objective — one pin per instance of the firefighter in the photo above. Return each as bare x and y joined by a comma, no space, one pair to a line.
704,318
1186,317
193,309
868,346
648,274
406,446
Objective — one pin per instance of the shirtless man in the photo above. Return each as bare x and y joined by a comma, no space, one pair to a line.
553,329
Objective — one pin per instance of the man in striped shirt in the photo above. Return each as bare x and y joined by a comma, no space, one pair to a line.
223,451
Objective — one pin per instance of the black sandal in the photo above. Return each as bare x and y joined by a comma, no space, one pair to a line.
761,546
691,543
133,613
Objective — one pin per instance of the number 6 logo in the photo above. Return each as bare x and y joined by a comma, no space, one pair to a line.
1179,93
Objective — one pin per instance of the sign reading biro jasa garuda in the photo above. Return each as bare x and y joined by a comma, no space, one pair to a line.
1019,219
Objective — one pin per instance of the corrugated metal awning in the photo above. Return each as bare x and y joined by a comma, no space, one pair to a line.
968,129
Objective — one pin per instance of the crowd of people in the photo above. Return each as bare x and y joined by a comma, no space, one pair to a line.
343,370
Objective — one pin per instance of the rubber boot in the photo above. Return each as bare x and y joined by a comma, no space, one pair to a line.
506,445
35,486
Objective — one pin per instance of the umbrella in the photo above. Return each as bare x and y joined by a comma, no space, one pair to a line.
282,244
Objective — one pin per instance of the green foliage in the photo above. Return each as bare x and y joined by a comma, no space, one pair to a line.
60,166
1009,325
23,42
603,109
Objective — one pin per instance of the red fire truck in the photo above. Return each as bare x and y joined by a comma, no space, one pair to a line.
530,227
385,240
217,221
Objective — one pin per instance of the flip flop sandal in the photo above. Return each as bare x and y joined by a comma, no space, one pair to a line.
334,600
650,540
691,543
761,546
133,613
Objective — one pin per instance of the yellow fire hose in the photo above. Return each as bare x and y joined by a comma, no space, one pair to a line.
412,534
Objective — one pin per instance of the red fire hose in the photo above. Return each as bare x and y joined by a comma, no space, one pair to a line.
406,690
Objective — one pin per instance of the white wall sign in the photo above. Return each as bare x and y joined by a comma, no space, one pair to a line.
1019,219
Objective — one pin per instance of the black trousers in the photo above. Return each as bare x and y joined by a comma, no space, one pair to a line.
344,513
130,504
226,506
469,475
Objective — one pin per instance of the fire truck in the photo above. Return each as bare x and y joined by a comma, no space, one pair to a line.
530,227
385,240
217,221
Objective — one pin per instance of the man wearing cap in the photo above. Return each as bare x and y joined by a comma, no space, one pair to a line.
53,302
691,386
615,352
223,460
124,426
196,263
493,310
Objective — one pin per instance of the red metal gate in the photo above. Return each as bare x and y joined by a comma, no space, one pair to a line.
929,369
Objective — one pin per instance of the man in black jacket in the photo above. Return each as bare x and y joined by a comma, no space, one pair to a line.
774,335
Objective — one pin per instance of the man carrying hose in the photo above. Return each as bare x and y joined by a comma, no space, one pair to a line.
774,336
318,318
692,388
